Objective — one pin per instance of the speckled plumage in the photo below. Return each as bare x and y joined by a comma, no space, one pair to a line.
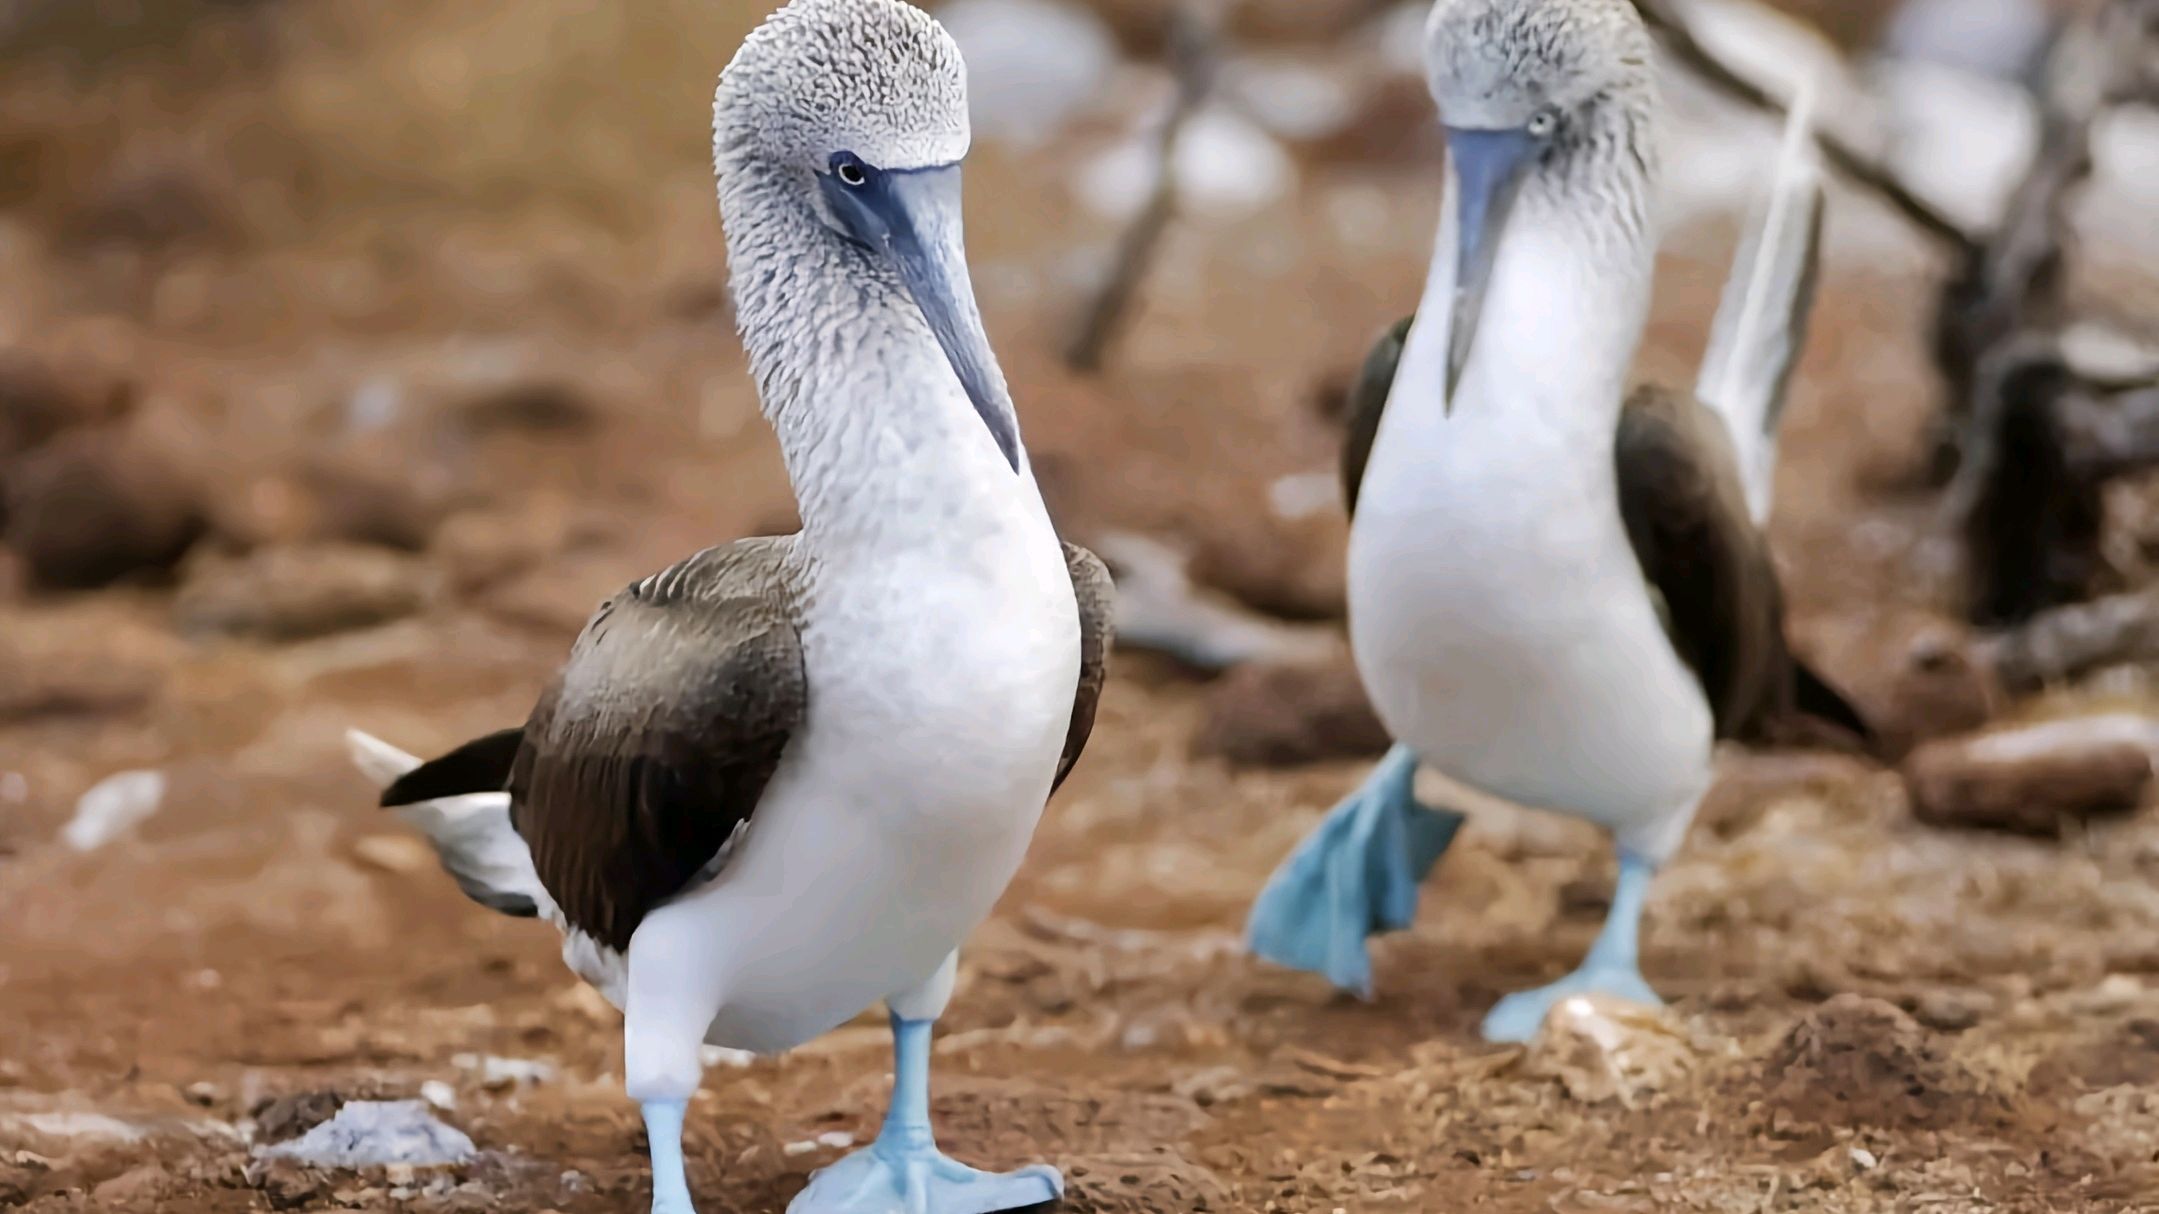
783,779
1493,63
1557,594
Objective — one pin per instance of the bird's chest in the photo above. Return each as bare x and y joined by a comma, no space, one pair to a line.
950,676
1501,528
1501,620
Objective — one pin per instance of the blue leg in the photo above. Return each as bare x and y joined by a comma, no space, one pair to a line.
903,1172
663,1127
1354,877
1613,966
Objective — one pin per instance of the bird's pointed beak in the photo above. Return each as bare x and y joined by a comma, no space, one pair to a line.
1488,170
913,217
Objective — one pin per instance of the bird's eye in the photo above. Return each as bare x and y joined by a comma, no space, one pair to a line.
1543,123
850,171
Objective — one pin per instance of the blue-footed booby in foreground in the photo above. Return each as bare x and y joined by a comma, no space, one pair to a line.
784,778
1559,593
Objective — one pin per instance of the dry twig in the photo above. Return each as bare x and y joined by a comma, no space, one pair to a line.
1192,59
1867,172
2033,439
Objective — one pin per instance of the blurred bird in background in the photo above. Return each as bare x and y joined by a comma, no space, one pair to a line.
1559,592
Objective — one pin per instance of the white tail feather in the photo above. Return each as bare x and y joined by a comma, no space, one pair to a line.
379,761
1761,320
472,834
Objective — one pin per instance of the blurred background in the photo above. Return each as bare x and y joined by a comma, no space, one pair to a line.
351,351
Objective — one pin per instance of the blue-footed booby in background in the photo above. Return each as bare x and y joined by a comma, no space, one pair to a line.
1559,593
784,778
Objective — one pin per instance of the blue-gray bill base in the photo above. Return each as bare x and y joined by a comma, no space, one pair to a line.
1559,592
784,778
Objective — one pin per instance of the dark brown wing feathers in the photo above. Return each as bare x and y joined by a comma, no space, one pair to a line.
1686,515
654,745
1097,598
1367,402
481,765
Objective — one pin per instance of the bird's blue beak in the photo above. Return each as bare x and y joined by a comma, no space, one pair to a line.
1488,170
913,217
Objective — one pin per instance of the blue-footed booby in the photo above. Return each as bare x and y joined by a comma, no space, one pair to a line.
784,778
1559,592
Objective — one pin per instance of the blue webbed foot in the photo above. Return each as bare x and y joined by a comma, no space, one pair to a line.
888,1177
1612,968
1518,1016
1354,877
903,1172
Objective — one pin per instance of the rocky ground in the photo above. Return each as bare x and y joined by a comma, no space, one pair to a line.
292,442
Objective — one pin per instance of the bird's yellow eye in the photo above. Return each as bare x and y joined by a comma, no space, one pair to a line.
1543,123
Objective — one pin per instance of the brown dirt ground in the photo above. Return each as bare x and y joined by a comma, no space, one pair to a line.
1868,1014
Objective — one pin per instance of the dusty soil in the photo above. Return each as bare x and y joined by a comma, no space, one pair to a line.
427,434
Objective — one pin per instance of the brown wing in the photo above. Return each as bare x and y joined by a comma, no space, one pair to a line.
653,746
1686,514
1097,597
1367,402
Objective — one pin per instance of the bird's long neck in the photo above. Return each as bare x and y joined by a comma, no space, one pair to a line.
876,430
1563,312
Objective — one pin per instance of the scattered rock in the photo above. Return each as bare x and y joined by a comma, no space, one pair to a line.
90,508
830,1140
2034,779
369,490
1941,686
1602,1049
498,1074
374,1133
21,1176
287,1184
1292,570
150,208
1857,1060
300,591
1951,1011
41,682
141,1184
113,806
720,1055
540,406
35,404
287,1117
477,550
370,494
439,1094
1281,715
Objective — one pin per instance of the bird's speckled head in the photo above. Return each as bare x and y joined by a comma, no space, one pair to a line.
1500,64
1550,100
878,80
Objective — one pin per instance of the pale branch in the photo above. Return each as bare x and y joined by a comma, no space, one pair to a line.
1868,172
1192,56
2065,643
2033,437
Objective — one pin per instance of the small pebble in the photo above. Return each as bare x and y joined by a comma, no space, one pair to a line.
113,806
439,1094
1863,1159
720,1055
